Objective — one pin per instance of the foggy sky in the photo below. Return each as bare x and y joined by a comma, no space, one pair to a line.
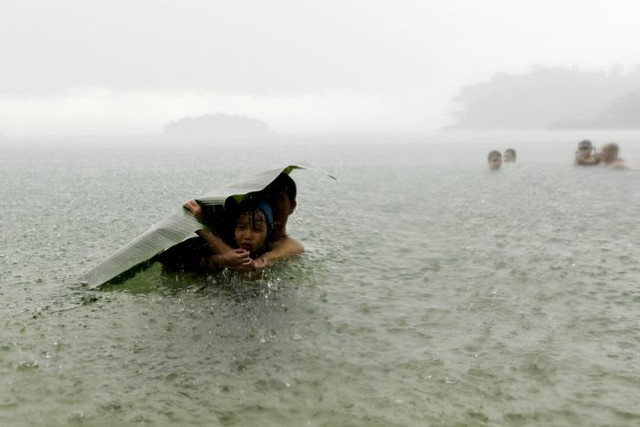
130,66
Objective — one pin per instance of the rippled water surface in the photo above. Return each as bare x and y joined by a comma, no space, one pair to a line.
432,291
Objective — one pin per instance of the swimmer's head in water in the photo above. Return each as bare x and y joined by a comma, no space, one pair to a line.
509,155
494,159
610,151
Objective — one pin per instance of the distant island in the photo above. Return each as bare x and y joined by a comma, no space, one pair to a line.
223,125
551,98
622,113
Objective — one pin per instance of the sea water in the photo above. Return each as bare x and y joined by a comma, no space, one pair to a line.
432,291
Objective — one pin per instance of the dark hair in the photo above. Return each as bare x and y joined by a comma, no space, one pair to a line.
494,153
585,143
283,184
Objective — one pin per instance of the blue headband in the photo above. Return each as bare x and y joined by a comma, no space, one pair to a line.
268,214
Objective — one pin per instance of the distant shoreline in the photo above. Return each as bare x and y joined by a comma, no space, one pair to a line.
435,135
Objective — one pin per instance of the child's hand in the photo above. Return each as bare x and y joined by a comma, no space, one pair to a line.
237,259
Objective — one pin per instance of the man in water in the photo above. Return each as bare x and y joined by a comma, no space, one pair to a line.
509,155
586,155
609,156
281,195
494,159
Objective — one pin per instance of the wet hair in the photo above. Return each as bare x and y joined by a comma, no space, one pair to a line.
494,153
585,143
510,151
268,214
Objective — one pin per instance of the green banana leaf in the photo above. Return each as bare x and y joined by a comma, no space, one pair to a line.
137,255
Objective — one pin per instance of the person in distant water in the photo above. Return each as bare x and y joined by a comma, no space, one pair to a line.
494,159
281,196
586,155
609,156
509,155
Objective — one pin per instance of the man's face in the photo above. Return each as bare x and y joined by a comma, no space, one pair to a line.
509,157
608,153
495,162
584,149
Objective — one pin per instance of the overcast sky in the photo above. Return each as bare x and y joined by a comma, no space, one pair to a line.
129,66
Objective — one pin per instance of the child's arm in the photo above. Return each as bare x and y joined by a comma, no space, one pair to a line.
283,248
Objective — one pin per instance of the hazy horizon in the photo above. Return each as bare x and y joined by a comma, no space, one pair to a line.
128,68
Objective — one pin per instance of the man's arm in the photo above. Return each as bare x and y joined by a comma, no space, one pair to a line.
223,254
217,244
282,249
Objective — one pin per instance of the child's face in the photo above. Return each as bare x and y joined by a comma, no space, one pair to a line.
250,232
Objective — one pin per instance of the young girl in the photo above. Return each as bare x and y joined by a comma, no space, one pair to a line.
250,227
247,229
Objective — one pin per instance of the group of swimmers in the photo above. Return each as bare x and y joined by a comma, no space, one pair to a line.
251,235
586,155
495,159
245,236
